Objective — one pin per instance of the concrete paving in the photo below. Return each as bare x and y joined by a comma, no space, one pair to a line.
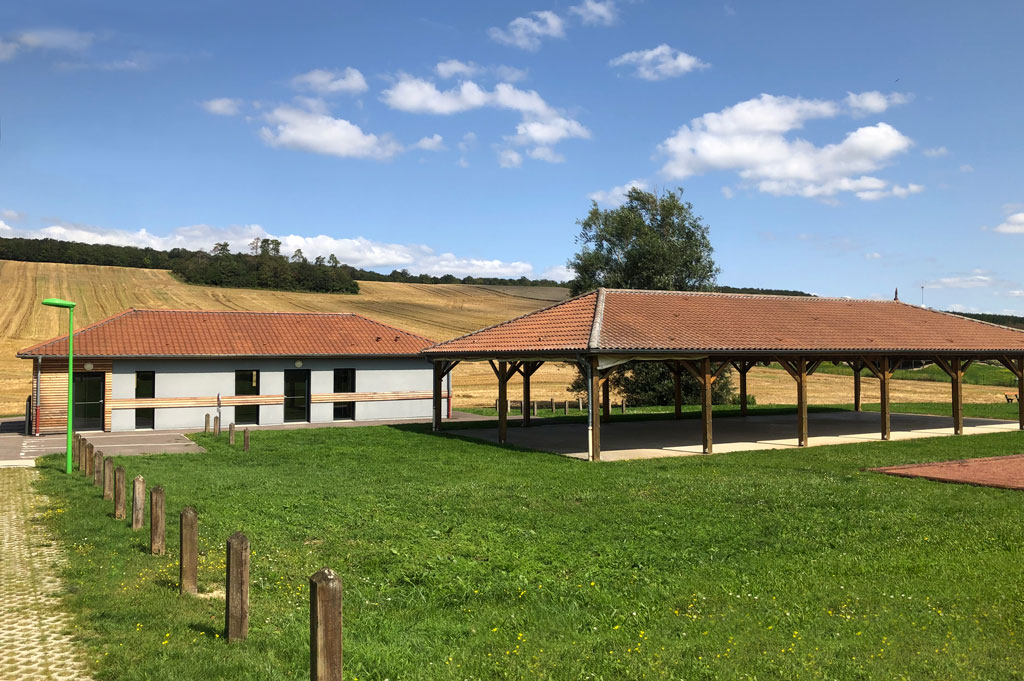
654,439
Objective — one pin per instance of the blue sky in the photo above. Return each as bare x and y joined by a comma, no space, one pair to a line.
841,148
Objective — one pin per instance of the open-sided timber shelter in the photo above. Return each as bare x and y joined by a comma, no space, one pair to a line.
704,334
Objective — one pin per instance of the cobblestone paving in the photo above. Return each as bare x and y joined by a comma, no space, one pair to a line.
34,639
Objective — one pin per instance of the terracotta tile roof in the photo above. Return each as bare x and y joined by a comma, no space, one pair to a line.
677,321
195,333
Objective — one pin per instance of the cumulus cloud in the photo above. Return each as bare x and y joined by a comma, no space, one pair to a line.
616,196
750,139
935,152
1013,224
510,158
558,273
466,145
12,215
223,106
596,12
358,251
56,39
317,131
545,154
433,143
977,278
659,63
527,32
453,68
7,50
873,102
325,82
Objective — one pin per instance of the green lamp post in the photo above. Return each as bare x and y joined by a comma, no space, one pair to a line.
57,302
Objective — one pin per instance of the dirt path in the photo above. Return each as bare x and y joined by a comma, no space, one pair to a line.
34,639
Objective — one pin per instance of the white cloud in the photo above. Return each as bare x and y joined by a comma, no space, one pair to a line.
616,196
546,154
509,74
466,145
509,158
875,255
659,63
8,50
596,12
558,273
527,32
967,168
414,95
12,215
324,82
433,143
321,133
750,138
728,192
545,132
1013,224
895,190
453,68
975,279
864,103
223,106
56,39
935,152
4,227
1015,293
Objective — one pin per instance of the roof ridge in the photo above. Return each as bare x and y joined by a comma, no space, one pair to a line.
595,328
266,312
515,319
725,294
960,316
39,346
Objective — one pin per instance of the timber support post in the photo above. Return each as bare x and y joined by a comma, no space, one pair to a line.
138,501
325,626
231,433
119,503
442,368
188,558
97,469
527,370
677,389
705,375
593,409
108,479
798,369
742,367
157,522
857,367
236,610
1016,367
955,369
606,401
503,371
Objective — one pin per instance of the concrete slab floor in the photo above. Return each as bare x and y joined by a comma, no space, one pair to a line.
654,439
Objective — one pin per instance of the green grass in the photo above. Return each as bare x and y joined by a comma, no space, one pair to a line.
977,374
465,560
992,410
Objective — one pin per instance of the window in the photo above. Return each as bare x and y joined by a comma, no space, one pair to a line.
145,388
247,382
344,382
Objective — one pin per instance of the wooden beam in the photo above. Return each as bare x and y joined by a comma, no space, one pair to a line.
801,401
958,395
502,372
813,366
718,372
438,379
790,368
691,368
884,375
743,367
706,381
857,367
527,371
677,390
606,402
593,412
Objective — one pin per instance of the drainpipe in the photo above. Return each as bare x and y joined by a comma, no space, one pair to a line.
449,394
39,374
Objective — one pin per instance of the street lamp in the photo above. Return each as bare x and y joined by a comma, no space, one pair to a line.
57,302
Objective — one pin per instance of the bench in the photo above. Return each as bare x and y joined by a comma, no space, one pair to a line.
1010,397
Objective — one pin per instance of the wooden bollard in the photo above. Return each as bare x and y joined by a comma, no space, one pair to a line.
231,433
97,469
495,405
206,424
245,439
188,558
157,522
623,405
535,407
566,407
75,443
216,426
138,499
579,403
325,638
552,405
108,479
236,611
90,458
119,510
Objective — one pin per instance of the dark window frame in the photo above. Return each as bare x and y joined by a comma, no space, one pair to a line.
344,411
145,418
247,414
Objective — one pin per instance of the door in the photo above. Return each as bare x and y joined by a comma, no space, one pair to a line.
296,395
88,398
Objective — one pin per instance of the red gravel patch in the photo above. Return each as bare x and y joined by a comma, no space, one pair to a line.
994,471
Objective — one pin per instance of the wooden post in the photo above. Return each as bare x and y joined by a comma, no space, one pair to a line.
216,426
90,459
138,499
236,611
97,469
883,379
677,389
502,402
566,409
325,626
606,402
801,401
108,479
157,522
958,396
552,405
526,395
206,423
743,391
436,395
593,409
188,559
245,439
705,404
623,405
74,450
231,433
579,403
857,367
119,507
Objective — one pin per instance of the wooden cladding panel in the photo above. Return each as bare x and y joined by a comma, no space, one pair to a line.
53,392
238,400
375,397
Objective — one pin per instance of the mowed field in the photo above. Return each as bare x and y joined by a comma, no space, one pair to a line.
437,311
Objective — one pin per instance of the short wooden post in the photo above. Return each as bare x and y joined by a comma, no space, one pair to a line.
535,408
566,406
108,479
216,426
495,406
236,611
97,469
157,522
579,404
206,424
325,630
90,458
119,507
245,439
231,433
623,405
552,405
188,559
677,390
138,499
801,401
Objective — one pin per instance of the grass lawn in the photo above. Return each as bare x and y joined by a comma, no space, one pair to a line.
463,560
977,374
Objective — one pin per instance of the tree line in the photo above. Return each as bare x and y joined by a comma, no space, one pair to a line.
264,266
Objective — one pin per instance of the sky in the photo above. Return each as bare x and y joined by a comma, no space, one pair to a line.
845,149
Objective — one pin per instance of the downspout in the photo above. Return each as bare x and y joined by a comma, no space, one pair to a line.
39,374
449,394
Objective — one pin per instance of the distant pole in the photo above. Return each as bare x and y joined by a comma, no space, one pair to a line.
922,296
57,302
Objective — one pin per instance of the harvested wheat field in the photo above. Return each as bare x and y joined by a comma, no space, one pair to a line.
437,311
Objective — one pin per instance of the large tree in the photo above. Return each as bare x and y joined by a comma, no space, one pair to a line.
649,242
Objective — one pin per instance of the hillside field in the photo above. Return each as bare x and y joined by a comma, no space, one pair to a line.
437,311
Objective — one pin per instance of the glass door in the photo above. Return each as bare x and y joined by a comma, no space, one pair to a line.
88,408
296,395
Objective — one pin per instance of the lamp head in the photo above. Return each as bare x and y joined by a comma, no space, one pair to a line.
57,302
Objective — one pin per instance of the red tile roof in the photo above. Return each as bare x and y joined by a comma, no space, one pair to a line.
610,321
194,333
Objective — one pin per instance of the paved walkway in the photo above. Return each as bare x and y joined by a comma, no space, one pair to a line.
654,439
34,643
